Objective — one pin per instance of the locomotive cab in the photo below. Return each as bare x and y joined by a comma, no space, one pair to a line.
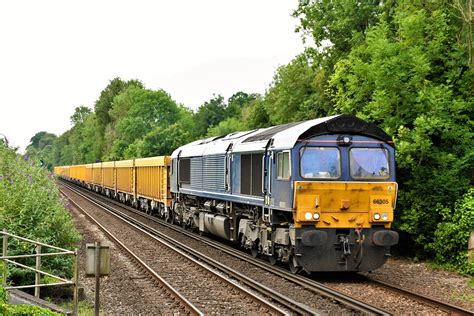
344,198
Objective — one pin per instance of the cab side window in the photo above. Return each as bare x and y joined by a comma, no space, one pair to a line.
283,165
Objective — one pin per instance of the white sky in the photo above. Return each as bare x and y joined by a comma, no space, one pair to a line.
56,55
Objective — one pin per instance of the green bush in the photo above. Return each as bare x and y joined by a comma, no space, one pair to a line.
452,235
19,310
30,207
3,295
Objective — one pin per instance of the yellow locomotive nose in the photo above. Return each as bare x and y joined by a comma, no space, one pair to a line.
344,204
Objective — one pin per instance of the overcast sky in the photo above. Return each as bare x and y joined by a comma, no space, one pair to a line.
56,55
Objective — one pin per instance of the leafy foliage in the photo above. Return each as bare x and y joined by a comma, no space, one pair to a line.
30,207
20,310
297,93
40,148
453,233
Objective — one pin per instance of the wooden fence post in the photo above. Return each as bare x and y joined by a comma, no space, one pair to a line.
38,268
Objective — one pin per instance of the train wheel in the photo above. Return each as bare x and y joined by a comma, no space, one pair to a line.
273,260
170,218
254,252
293,264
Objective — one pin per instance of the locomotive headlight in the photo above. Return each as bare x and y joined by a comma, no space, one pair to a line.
384,216
316,216
376,216
308,216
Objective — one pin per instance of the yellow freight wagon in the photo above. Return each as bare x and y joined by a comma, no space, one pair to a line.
60,171
124,176
78,172
97,173
89,176
152,178
65,173
108,175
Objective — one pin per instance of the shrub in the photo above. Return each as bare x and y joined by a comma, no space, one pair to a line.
30,207
452,235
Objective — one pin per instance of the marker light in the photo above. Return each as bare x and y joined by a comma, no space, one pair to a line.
308,216
347,139
384,216
376,216
316,216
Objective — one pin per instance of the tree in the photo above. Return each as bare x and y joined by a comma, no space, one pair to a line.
136,112
80,115
297,93
237,102
257,116
105,102
210,114
413,81
337,26
40,148
104,105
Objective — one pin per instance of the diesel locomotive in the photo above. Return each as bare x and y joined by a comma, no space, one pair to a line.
317,195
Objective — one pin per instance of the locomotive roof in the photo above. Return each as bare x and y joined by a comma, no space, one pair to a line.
283,136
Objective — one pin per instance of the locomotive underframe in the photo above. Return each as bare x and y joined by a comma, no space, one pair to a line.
271,233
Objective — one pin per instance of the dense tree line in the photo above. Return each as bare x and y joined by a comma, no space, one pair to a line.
404,65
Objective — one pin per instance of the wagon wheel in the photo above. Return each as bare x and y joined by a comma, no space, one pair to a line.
170,217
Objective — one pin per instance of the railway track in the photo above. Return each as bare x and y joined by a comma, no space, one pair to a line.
308,284
209,267
448,308
174,294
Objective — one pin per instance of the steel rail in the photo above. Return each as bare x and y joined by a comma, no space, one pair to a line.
182,300
310,285
449,308
185,250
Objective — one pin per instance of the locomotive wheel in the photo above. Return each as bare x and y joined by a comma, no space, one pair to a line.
273,260
254,253
293,265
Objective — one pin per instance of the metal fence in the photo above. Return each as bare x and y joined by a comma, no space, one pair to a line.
37,269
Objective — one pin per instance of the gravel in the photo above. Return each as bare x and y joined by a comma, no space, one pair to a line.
125,290
421,278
